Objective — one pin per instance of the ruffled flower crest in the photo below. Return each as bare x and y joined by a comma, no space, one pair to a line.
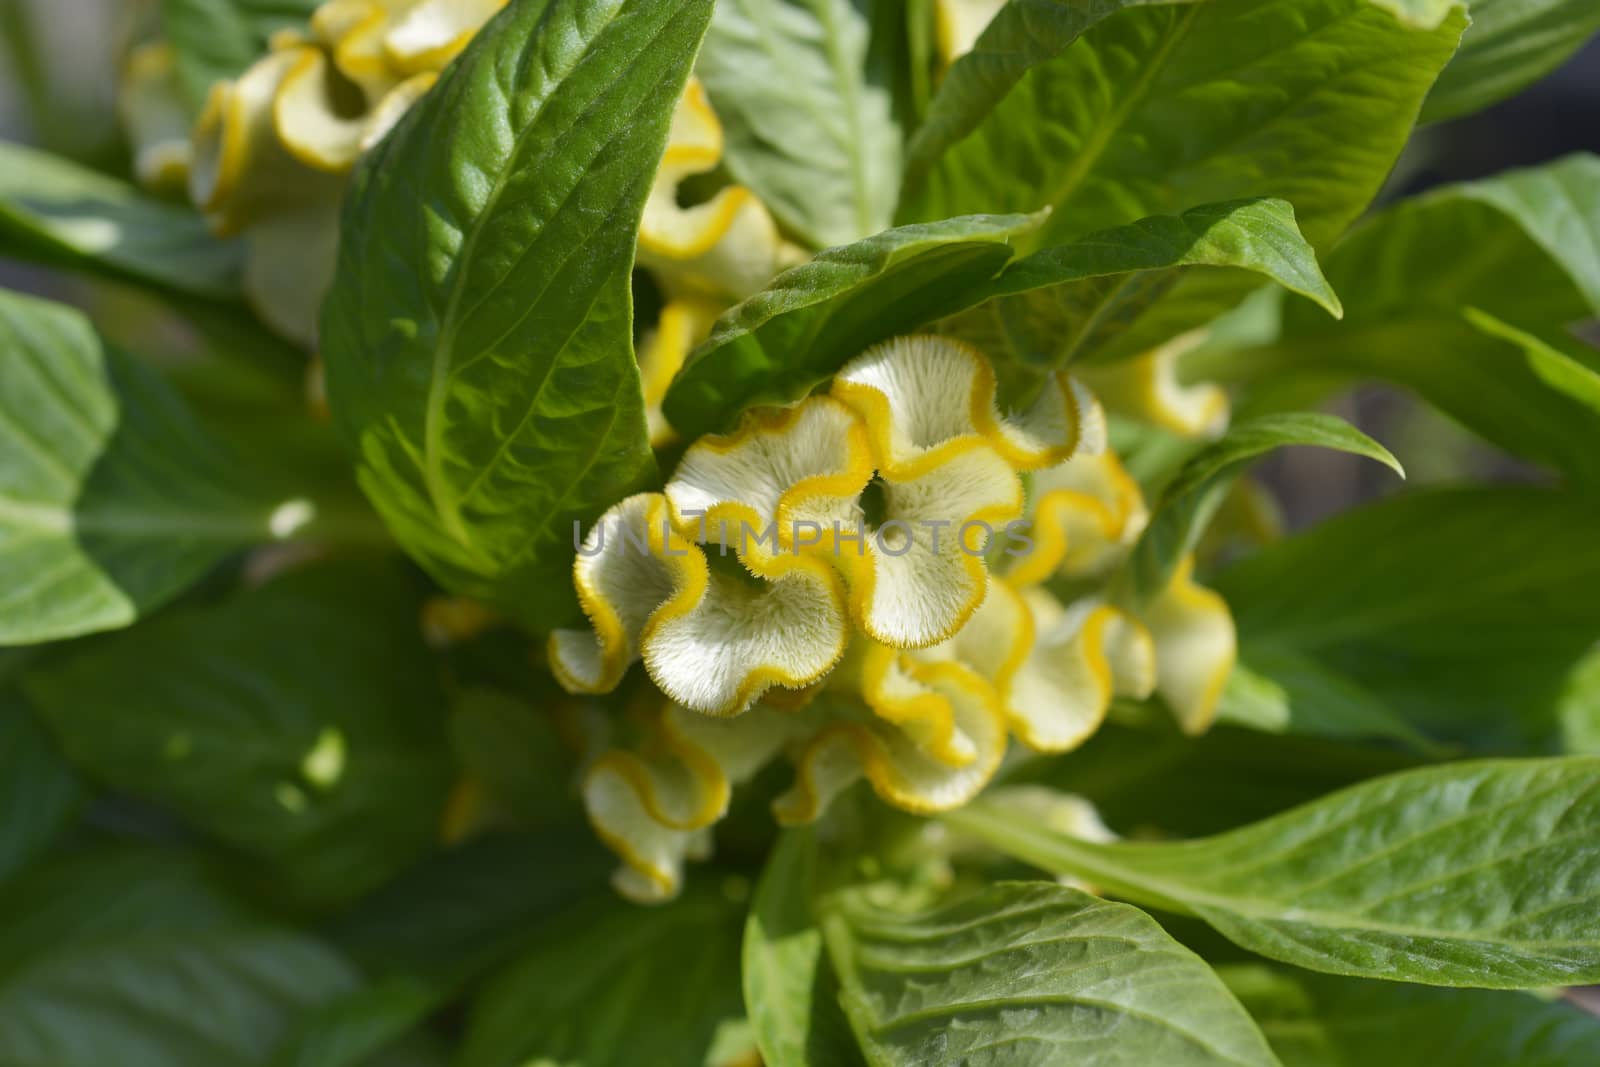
921,703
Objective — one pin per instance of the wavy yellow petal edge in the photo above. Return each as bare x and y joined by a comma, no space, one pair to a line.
867,754
1196,648
757,679
756,428
1017,440
682,324
685,567
922,713
1118,655
1115,519
1147,387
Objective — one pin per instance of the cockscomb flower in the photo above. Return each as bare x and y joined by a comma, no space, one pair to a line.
1148,387
828,582
271,149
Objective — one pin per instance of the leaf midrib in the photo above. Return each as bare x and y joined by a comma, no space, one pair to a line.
1112,122
1159,892
440,375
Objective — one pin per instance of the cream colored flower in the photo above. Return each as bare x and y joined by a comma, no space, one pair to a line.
154,117
761,538
713,640
958,24
272,149
1056,668
723,249
859,741
654,804
1148,387
682,324
1196,647
947,463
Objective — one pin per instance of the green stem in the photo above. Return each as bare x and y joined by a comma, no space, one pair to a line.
1059,854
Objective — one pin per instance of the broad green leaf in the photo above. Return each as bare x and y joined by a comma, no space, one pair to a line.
1026,973
371,1026
480,356
1471,874
57,210
301,723
1463,296
1578,709
465,909
610,982
39,794
1283,691
1023,34
1150,779
779,344
216,39
790,991
808,121
112,498
515,752
135,958
1194,495
1510,45
1161,108
1317,1020
1462,610
1062,303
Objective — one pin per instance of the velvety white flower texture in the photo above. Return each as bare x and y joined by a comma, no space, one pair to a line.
834,582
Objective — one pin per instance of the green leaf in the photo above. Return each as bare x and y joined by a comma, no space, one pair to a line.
1065,301
216,39
609,980
1164,107
112,499
1464,296
38,792
372,1025
1194,495
1023,34
1578,708
790,991
1471,874
58,211
300,723
1283,691
1152,780
1510,45
516,753
1315,1020
463,910
1030,973
135,958
808,121
1461,610
779,344
480,366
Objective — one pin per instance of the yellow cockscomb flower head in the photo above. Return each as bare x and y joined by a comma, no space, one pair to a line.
810,585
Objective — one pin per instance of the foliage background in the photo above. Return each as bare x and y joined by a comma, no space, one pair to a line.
76,39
